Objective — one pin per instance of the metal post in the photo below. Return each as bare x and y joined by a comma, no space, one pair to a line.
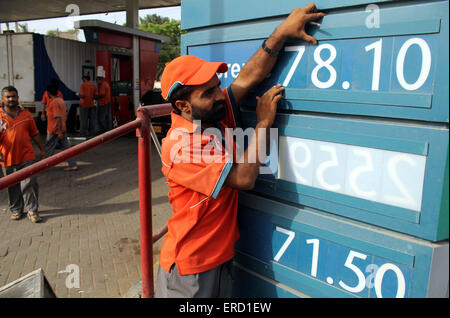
145,204
132,14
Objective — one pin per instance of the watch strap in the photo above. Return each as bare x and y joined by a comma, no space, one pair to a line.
269,50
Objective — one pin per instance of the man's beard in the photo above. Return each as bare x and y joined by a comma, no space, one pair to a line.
211,117
12,104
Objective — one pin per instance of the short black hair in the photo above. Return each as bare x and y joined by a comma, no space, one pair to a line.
52,89
54,82
182,93
87,77
9,89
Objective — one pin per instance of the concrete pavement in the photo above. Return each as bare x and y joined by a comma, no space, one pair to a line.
90,219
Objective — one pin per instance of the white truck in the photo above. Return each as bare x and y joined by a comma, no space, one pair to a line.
29,61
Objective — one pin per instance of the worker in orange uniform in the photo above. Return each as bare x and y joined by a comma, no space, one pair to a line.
56,127
103,97
46,99
204,176
17,129
88,111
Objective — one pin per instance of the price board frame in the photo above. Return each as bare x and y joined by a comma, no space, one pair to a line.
372,94
249,284
302,249
430,221
387,47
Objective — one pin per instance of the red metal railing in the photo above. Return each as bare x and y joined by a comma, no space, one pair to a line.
142,127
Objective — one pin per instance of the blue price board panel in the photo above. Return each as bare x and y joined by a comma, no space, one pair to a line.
324,256
249,284
394,176
396,69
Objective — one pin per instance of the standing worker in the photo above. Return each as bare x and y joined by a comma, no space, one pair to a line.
56,127
103,97
46,99
88,112
17,129
196,256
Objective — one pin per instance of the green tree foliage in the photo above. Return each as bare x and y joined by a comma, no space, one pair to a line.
168,27
23,28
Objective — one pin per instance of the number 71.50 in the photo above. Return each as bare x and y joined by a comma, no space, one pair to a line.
363,281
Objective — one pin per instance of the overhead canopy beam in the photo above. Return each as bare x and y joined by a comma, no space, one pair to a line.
23,10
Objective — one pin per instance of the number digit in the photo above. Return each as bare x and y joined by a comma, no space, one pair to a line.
301,50
376,46
401,284
325,165
315,255
361,279
291,235
407,199
327,64
359,170
426,63
302,164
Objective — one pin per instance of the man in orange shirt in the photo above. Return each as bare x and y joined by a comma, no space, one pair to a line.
17,129
56,127
88,112
103,96
46,99
203,174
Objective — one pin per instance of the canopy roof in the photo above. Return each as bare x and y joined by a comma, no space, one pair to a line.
22,10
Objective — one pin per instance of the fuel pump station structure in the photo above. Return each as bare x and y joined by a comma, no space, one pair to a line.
128,55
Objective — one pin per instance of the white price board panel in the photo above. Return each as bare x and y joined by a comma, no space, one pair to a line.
391,175
325,256
382,176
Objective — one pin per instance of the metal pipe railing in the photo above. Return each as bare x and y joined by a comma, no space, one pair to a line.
62,156
142,126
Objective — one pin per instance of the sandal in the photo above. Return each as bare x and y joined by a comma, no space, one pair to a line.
16,216
74,168
33,216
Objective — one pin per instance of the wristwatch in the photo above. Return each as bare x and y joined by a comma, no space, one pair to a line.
269,50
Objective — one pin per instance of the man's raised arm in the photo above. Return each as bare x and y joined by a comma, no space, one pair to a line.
262,62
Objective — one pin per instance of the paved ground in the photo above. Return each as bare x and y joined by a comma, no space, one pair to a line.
90,219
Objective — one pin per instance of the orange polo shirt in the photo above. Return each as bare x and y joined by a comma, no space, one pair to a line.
104,89
56,109
203,227
46,98
15,137
88,90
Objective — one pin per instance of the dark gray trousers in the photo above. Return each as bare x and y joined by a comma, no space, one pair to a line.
88,120
53,141
104,121
216,282
24,194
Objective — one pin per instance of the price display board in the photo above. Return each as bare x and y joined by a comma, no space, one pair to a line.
324,256
397,68
360,157
395,176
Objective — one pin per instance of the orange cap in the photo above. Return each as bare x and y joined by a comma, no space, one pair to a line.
188,70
